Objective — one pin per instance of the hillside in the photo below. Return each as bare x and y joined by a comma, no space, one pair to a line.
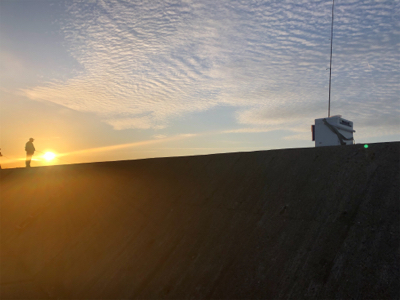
291,224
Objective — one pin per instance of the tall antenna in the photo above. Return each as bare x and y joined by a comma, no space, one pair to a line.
330,66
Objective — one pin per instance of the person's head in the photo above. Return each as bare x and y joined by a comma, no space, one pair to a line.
31,139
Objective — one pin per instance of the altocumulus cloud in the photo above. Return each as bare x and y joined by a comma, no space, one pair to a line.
145,63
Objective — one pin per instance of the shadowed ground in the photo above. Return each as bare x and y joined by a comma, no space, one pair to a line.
296,223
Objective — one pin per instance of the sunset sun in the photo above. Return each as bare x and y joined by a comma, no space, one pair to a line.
49,156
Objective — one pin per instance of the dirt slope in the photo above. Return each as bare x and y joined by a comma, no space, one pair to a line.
291,224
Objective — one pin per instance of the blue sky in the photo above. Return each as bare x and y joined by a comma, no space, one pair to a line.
193,77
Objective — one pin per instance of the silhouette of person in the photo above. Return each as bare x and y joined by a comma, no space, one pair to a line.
0,156
30,149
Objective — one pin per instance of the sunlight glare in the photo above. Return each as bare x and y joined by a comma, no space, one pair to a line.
49,156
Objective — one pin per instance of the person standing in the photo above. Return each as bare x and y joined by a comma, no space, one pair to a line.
30,149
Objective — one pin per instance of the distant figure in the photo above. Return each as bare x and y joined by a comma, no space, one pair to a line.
30,149
0,156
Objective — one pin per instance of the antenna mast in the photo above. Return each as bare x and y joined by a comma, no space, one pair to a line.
330,66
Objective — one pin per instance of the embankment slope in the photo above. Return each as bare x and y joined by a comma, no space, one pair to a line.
291,224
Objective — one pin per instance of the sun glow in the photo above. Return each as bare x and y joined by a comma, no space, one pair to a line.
49,156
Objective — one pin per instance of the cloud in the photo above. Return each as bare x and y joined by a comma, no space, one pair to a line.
134,122
146,63
247,130
128,145
159,136
10,63
299,137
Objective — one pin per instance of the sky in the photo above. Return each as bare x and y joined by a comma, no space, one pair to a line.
108,80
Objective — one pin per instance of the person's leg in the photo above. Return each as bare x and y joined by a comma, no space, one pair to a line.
28,160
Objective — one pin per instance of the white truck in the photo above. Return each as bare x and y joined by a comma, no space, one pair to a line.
332,131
